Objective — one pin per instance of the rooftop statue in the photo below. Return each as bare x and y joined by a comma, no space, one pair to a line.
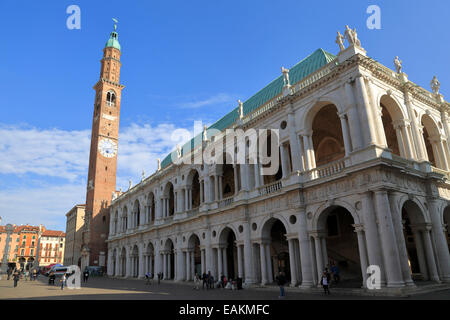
159,164
285,76
340,41
435,85
241,109
205,136
398,64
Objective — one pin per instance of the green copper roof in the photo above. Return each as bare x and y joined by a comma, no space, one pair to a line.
113,41
301,70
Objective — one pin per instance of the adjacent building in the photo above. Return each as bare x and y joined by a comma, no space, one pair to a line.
52,247
74,228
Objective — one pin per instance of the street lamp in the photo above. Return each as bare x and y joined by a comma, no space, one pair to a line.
9,230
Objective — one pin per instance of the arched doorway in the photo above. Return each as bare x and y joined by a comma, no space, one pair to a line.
151,207
227,254
228,180
168,200
276,251
194,258
150,259
136,216
193,190
269,179
123,263
327,136
435,147
396,132
418,243
134,262
124,219
169,260
335,244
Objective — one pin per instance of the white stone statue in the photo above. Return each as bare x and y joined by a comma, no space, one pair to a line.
130,184
241,109
285,76
340,41
205,136
143,174
159,164
398,64
435,85
348,34
355,38
178,151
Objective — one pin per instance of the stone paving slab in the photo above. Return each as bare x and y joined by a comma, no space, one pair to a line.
128,289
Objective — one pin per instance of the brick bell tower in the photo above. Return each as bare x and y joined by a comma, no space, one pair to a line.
103,155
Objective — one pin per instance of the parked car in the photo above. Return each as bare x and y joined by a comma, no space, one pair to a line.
94,270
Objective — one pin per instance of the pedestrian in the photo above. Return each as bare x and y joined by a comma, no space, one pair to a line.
9,273
159,277
34,274
196,282
325,283
148,276
85,275
335,271
211,281
63,280
16,277
31,275
205,281
281,281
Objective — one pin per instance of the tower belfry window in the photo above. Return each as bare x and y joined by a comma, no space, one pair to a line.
110,99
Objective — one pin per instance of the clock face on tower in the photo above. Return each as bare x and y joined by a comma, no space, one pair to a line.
107,147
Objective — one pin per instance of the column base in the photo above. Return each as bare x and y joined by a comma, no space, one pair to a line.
306,285
397,284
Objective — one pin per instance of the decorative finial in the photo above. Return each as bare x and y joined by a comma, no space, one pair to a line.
115,24
435,85
241,109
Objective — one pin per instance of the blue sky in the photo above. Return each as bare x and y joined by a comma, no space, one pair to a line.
181,61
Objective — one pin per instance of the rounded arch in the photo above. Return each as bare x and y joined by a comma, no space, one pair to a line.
151,206
169,198
432,137
314,109
421,217
136,214
393,106
328,207
223,233
193,180
169,244
111,97
268,222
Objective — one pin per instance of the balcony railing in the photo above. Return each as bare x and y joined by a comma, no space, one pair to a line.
226,202
328,169
271,188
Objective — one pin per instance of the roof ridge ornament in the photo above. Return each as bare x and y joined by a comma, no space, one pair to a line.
115,24
287,85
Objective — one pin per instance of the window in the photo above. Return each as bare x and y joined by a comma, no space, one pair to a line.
110,99
31,252
22,252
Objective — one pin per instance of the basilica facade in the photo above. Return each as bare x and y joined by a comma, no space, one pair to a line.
362,181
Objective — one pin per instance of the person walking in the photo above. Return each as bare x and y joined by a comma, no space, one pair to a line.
16,277
159,277
196,282
85,275
9,272
335,272
325,283
205,281
281,281
34,274
63,280
148,276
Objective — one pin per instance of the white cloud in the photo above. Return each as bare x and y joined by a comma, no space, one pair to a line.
26,152
216,99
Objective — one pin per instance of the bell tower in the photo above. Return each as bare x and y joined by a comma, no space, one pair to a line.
103,155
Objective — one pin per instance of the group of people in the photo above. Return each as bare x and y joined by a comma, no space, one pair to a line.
210,283
18,274
149,277
326,280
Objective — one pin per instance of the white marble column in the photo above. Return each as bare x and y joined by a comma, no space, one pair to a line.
418,240
262,254
371,233
269,264
225,262
319,256
166,276
219,262
346,135
257,175
305,251
216,188
240,262
192,264
284,161
416,134
248,256
294,143
188,266
364,109
431,262
220,188
141,273
203,269
307,153
438,231
362,252
353,117
235,177
292,262
388,241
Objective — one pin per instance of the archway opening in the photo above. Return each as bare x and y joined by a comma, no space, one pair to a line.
135,262
418,244
327,136
169,272
194,250
268,179
228,246
336,247
150,260
279,250
228,180
389,131
447,223
123,263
